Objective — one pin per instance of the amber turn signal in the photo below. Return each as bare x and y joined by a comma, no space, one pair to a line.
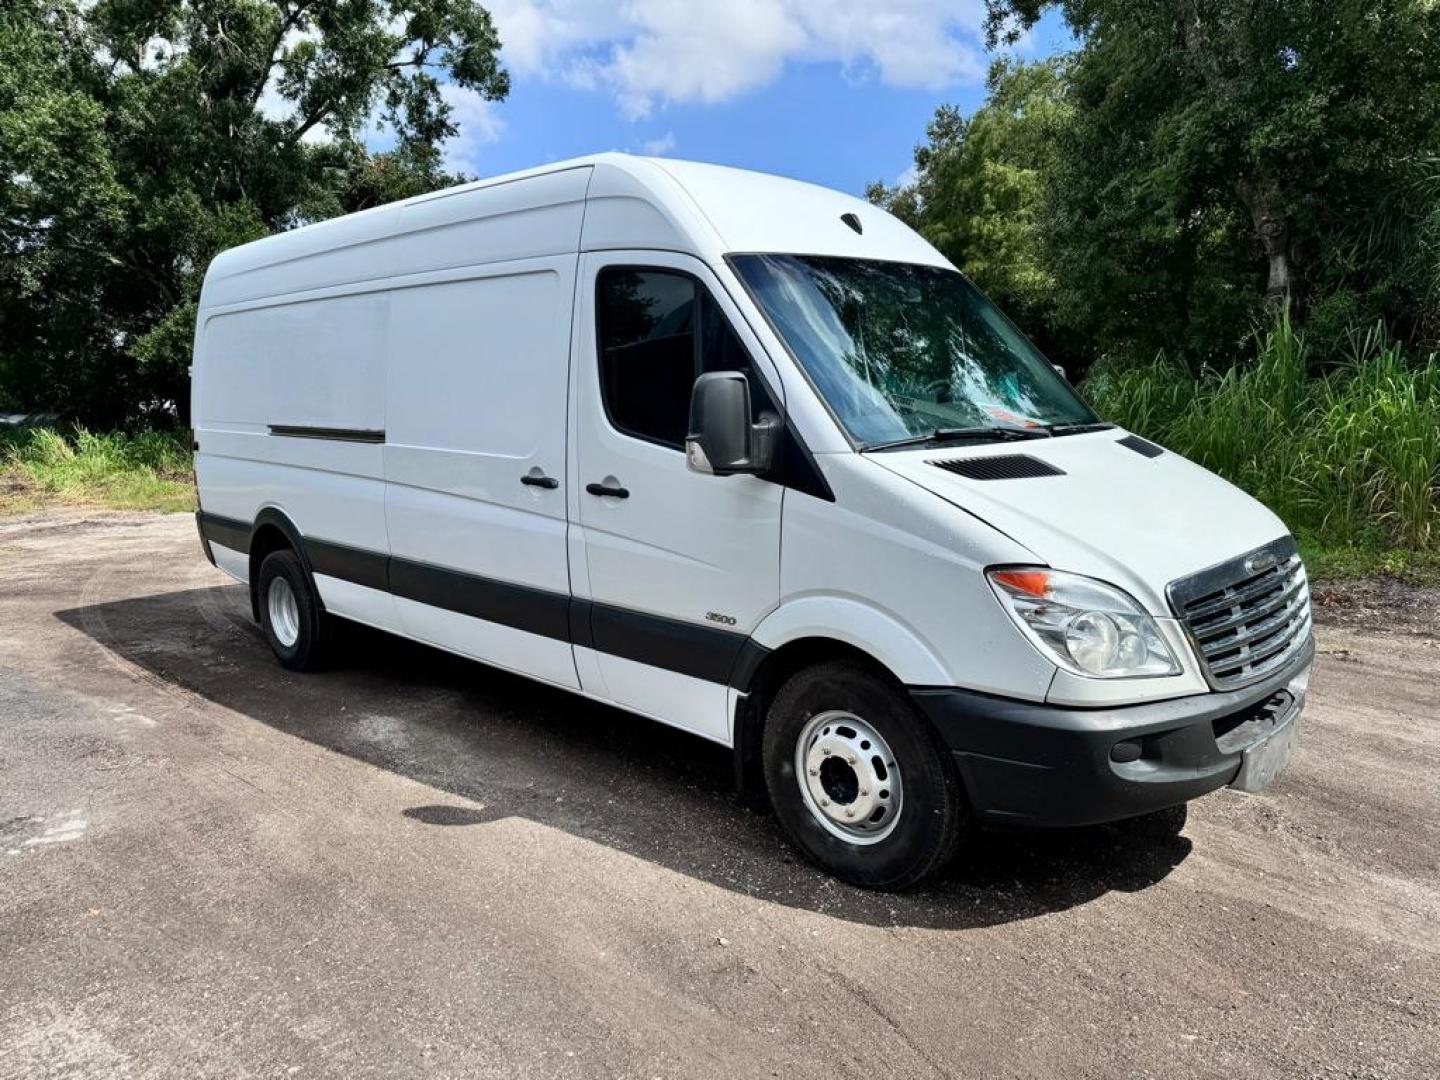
1034,582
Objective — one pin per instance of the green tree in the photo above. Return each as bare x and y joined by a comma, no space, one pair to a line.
1224,156
979,194
140,137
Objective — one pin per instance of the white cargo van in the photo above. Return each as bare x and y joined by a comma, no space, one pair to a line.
748,457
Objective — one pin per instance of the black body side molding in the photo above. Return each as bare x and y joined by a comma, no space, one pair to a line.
702,652
360,435
227,532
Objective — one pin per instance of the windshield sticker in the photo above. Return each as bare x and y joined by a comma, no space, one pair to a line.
1005,416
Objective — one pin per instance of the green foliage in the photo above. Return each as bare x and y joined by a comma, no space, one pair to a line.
1196,165
146,470
140,137
1350,459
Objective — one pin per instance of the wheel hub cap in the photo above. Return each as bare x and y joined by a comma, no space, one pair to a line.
284,612
848,777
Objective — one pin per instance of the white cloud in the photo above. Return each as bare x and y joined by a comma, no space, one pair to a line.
909,176
650,53
479,126
658,147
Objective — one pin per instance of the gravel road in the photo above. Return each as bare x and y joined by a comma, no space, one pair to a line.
416,866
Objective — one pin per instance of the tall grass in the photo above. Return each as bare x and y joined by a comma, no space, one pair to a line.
145,470
1350,458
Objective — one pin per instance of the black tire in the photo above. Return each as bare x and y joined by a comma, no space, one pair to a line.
312,630
933,817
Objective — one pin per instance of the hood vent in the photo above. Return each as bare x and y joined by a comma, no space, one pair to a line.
1000,467
1140,446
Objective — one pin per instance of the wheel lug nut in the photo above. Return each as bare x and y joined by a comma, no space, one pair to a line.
825,750
824,802
851,759
864,791
849,813
814,772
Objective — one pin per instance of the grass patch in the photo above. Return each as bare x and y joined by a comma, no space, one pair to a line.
1349,458
147,470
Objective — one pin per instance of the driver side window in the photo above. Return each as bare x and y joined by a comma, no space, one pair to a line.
658,330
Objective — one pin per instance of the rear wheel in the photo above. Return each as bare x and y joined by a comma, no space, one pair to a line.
294,622
858,779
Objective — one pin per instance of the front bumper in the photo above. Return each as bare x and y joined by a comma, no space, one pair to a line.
1029,763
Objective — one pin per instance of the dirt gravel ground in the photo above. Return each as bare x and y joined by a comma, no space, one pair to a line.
416,866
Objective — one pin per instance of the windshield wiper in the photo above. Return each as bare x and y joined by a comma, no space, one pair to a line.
1078,429
970,434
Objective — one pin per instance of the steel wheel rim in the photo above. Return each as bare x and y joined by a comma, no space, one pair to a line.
284,612
848,776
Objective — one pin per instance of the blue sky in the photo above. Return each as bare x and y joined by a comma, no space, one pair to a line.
832,91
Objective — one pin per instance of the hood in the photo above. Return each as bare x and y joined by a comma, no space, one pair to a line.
1135,520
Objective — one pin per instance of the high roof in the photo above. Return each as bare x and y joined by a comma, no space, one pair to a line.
600,202
753,211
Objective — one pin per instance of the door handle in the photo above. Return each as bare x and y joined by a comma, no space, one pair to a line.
541,481
606,489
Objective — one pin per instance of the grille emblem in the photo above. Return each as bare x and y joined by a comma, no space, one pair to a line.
1262,560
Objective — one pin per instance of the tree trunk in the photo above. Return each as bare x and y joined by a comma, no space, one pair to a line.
1204,35
1273,229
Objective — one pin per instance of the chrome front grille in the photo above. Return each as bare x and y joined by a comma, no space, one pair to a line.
1247,616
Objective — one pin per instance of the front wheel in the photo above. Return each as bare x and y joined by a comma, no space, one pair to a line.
859,781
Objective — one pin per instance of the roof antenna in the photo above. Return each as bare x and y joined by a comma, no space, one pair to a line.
853,221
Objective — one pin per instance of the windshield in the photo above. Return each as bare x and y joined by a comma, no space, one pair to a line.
900,350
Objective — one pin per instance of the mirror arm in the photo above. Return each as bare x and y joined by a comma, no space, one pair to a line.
765,436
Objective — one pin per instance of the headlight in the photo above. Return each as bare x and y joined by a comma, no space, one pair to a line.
1084,625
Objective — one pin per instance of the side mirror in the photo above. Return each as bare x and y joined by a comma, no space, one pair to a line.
723,440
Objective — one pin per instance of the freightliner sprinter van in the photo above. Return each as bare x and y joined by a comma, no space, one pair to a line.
748,457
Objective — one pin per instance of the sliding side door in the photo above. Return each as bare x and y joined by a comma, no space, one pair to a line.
475,464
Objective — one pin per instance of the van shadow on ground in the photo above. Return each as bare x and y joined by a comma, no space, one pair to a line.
510,747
